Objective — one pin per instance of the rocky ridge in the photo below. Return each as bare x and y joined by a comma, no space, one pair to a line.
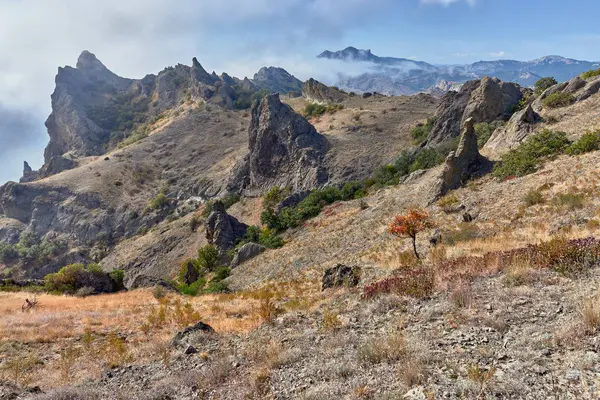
285,150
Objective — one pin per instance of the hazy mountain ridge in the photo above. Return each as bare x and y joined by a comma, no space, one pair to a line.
397,76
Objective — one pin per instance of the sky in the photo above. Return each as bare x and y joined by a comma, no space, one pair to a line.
137,37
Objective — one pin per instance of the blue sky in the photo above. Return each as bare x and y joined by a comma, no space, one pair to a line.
136,37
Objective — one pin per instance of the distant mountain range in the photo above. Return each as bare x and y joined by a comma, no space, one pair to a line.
398,76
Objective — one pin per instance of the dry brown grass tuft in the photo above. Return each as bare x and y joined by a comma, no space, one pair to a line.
590,315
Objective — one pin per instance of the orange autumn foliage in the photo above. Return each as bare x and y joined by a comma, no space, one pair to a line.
410,225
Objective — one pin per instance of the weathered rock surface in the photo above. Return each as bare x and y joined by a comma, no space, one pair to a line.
483,100
581,89
223,230
285,150
277,80
246,252
313,90
191,333
462,164
341,276
518,128
190,274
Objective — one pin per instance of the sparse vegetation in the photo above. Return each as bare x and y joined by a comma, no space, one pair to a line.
484,131
591,74
589,142
526,158
533,197
558,99
312,110
542,84
422,131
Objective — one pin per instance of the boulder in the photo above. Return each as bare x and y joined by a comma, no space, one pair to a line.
436,238
462,164
341,276
518,128
285,150
190,274
223,230
246,252
191,334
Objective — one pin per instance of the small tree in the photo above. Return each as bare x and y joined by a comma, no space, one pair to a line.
543,84
208,257
409,225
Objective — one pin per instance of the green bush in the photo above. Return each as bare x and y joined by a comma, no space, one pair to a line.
558,99
73,277
314,110
526,158
403,162
427,158
275,196
192,289
543,84
587,143
8,252
533,197
158,202
591,74
420,133
484,131
208,257
118,276
265,237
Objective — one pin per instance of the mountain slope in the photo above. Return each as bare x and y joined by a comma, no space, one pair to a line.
397,76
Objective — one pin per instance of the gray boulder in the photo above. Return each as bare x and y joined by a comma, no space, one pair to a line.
190,274
518,128
223,230
192,334
246,252
341,276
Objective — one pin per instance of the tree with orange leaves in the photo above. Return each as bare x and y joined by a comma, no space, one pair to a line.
409,225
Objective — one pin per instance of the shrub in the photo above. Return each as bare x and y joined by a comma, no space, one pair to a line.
421,132
484,131
416,282
558,99
8,252
275,196
208,257
158,202
533,197
545,83
192,289
159,292
525,159
570,201
410,225
449,202
118,276
591,74
314,110
427,158
403,162
590,141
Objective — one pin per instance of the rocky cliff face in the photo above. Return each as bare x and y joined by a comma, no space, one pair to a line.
484,100
277,80
285,150
313,90
93,109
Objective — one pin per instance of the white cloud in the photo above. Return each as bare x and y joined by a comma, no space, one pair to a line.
498,54
136,37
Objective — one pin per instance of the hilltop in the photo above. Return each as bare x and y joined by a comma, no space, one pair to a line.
402,76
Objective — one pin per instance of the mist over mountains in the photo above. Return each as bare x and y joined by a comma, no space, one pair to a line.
402,76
